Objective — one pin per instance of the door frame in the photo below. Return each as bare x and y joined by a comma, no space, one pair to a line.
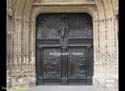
78,8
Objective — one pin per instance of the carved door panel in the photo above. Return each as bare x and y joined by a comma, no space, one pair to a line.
51,64
79,66
64,51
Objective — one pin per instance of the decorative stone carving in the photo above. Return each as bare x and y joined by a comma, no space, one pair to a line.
9,8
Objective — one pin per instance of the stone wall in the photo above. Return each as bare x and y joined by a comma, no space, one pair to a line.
21,17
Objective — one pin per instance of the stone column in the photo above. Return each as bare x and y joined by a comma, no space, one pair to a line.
106,60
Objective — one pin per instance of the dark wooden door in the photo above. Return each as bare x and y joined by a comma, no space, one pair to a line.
64,49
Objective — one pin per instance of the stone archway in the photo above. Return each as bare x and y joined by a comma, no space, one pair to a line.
21,27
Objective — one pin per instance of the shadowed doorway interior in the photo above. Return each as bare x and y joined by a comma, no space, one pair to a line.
64,49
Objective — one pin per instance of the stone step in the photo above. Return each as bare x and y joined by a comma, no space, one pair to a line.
61,88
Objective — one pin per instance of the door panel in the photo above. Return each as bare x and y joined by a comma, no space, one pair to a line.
79,25
51,63
77,63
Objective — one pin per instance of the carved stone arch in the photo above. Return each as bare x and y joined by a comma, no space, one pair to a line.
88,10
106,6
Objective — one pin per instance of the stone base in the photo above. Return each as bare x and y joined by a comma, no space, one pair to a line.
105,83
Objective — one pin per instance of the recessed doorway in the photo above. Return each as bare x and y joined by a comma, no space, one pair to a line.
64,49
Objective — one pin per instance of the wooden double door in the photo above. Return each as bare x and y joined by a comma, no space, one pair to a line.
64,49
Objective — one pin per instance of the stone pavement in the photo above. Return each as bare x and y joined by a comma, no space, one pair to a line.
64,88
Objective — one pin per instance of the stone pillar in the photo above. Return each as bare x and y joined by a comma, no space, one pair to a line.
99,71
106,60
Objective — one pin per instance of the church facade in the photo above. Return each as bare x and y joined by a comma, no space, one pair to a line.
75,41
